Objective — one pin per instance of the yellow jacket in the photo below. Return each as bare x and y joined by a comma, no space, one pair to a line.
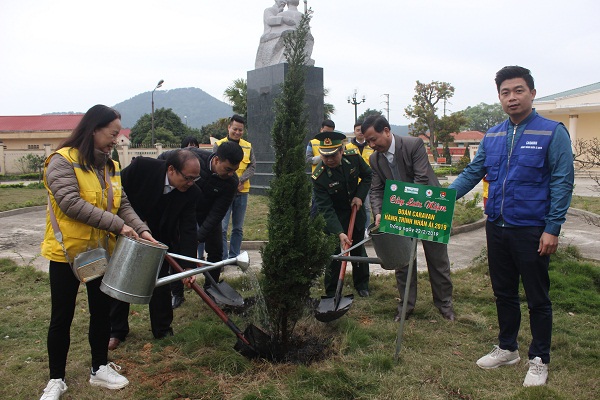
79,236
366,153
246,161
316,143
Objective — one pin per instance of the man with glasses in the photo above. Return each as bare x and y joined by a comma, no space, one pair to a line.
341,181
163,194
218,185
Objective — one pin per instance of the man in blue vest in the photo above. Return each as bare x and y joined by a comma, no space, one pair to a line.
529,165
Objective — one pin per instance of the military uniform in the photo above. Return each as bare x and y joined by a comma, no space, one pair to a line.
334,190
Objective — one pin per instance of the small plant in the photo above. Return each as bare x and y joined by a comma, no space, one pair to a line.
30,163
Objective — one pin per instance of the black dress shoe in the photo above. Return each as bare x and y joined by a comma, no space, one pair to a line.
364,293
113,343
176,301
164,334
398,316
449,315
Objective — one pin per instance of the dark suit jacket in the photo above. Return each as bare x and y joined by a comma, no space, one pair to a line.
171,217
216,194
411,158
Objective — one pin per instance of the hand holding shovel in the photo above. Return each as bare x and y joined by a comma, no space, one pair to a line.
329,308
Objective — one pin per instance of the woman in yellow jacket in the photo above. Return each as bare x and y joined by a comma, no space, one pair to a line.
78,177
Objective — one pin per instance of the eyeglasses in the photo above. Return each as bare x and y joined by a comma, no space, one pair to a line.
188,178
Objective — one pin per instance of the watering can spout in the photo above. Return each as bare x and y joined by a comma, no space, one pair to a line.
243,261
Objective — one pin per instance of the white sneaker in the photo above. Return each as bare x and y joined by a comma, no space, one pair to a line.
108,377
54,389
498,357
537,374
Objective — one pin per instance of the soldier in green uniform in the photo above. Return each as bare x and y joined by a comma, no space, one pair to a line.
342,179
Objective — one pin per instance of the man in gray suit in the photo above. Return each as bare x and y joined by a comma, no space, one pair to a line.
405,159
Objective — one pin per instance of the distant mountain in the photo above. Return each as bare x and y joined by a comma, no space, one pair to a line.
400,130
199,107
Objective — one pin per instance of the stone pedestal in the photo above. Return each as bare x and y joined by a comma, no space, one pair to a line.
264,86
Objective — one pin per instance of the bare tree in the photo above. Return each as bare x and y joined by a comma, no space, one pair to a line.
587,158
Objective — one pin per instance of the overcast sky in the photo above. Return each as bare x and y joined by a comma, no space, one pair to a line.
67,55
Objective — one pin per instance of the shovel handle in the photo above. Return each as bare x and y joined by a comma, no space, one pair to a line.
213,306
349,234
340,283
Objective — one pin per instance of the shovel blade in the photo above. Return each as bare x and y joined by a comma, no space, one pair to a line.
224,294
327,311
260,343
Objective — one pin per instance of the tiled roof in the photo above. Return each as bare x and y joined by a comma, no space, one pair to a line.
30,123
573,92
125,132
468,135
461,136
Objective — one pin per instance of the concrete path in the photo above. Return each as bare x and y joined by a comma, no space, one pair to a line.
22,233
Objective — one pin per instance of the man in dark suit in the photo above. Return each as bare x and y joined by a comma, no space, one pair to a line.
405,159
164,195
218,185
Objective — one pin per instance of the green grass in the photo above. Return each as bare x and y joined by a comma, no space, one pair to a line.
18,196
591,204
437,360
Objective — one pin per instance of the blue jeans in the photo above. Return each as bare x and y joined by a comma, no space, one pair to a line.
237,211
512,254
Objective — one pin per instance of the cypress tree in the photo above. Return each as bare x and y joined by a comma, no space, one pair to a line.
298,250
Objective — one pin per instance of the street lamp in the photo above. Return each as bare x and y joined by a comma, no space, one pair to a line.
157,86
185,117
352,100
387,105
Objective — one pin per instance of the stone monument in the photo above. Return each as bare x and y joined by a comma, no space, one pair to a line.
277,23
264,86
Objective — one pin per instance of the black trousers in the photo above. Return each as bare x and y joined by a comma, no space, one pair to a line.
63,291
360,270
161,312
214,253
512,254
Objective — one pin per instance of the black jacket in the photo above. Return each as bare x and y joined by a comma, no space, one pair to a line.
216,194
170,217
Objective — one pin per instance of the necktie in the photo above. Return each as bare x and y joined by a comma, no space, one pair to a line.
393,167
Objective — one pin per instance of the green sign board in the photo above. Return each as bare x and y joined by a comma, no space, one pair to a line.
419,211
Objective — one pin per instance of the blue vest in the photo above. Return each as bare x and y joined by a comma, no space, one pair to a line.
519,188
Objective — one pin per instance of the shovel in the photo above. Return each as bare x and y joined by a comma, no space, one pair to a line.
221,292
332,308
250,347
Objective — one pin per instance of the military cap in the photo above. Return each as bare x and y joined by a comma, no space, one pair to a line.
330,142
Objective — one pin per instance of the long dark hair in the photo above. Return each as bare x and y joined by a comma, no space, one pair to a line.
82,137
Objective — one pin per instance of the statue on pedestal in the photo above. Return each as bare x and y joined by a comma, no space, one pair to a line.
277,23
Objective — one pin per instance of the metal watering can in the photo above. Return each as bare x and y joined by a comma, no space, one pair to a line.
132,272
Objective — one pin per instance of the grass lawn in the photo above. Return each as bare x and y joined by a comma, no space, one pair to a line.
19,196
591,204
437,360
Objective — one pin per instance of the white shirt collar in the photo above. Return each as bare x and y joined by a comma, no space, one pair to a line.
168,188
389,154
